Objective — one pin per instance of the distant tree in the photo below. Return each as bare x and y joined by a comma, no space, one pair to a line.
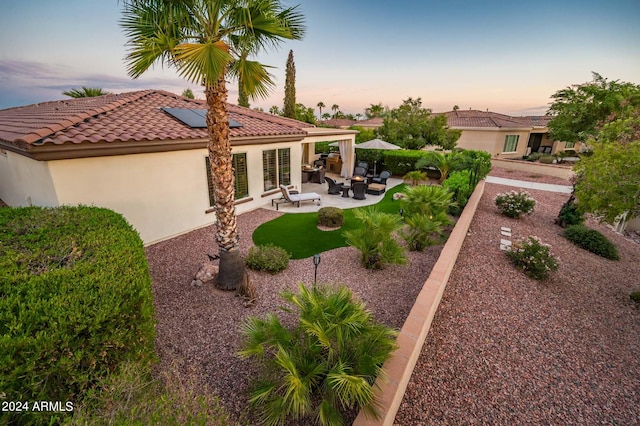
275,110
326,116
85,92
289,109
456,107
358,116
306,114
320,105
411,126
336,109
374,110
580,110
188,93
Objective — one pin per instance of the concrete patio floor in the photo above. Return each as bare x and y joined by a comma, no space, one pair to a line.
329,200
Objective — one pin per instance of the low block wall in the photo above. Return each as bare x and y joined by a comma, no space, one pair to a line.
561,171
414,331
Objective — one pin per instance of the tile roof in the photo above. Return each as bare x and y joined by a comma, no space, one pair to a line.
488,119
126,117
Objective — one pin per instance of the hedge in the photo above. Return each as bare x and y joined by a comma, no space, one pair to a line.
75,302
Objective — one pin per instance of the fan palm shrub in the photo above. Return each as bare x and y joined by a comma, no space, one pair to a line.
375,238
429,200
415,176
423,231
444,162
327,362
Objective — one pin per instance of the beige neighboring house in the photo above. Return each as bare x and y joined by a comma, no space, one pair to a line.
502,135
143,154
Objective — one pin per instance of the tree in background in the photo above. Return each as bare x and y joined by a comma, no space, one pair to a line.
374,110
85,92
580,110
204,41
413,127
608,181
336,110
306,114
275,110
289,109
188,93
320,105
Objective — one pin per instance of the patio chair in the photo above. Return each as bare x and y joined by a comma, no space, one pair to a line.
359,189
360,171
382,178
363,164
334,187
298,198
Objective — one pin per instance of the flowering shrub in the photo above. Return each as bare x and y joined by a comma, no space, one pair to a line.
533,257
515,203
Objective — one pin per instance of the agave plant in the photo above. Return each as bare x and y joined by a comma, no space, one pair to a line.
375,239
328,361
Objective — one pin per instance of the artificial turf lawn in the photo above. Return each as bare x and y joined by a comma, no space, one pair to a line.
299,235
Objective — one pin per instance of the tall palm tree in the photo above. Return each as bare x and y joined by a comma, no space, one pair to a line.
204,40
320,105
85,92
336,109
375,110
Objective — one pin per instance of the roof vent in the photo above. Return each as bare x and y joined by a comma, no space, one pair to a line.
195,118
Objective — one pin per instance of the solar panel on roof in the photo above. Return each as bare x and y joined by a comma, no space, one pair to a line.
195,118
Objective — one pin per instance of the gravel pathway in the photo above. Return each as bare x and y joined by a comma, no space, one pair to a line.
197,328
504,349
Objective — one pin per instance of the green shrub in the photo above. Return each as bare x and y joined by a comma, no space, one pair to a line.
570,215
515,203
546,159
134,397
635,296
591,240
332,217
375,240
535,156
459,184
402,161
415,176
533,257
269,258
76,303
327,362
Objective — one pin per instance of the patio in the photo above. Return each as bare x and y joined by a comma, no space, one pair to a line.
329,200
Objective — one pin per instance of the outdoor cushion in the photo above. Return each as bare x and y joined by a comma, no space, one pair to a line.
298,198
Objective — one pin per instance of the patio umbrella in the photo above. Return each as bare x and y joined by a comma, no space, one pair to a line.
377,144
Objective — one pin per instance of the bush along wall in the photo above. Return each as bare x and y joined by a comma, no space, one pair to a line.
75,303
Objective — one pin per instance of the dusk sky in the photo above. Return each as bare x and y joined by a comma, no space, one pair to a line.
505,56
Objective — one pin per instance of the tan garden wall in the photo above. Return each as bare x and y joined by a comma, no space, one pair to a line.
414,331
561,171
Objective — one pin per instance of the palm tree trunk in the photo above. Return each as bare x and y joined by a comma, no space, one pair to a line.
231,270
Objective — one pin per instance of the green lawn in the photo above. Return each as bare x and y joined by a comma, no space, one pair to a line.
299,235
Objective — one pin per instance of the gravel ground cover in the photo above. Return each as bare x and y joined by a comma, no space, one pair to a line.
197,328
505,349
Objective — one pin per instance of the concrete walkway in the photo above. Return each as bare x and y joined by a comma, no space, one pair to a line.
565,189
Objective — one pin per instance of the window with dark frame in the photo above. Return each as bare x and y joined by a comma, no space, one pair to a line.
511,143
276,165
239,162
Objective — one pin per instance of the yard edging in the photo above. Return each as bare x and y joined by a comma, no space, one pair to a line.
414,331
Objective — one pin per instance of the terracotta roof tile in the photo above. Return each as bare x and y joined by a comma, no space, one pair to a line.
488,119
133,116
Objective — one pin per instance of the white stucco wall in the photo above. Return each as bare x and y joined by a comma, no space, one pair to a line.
25,182
160,194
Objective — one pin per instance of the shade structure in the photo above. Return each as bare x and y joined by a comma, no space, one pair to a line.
377,144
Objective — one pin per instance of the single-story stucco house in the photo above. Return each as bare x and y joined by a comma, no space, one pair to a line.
504,136
143,154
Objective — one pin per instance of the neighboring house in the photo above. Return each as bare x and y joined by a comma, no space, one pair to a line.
338,123
144,154
504,136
